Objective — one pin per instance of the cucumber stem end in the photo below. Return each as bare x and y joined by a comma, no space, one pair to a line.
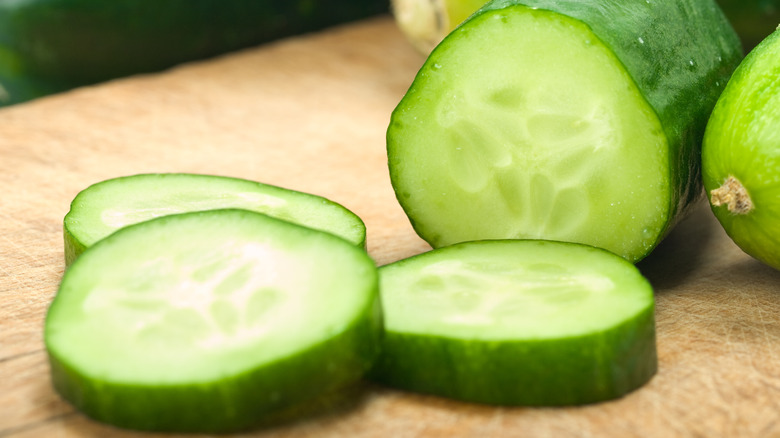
732,194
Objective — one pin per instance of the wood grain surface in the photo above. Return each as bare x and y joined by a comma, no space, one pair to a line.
310,113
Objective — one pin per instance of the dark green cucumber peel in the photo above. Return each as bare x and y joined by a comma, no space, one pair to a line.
541,343
741,154
104,207
53,45
124,351
670,60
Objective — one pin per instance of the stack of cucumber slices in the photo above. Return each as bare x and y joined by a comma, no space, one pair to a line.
208,318
184,310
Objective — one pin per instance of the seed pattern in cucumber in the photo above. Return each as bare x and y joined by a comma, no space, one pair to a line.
551,119
245,301
517,322
211,321
456,289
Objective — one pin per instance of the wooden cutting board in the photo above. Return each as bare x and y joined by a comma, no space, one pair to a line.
310,113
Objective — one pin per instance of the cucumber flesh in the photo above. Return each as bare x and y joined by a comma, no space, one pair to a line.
741,154
107,206
517,323
554,141
209,321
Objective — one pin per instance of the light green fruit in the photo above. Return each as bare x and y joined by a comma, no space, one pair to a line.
741,154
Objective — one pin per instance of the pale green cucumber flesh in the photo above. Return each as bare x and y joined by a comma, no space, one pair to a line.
515,322
742,144
209,321
110,205
522,124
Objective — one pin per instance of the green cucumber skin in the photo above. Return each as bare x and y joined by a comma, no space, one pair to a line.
218,409
681,78
562,373
740,142
227,406
53,45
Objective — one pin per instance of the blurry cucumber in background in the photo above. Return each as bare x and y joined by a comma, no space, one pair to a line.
47,46
426,22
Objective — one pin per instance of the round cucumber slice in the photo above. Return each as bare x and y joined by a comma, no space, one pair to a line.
517,323
103,208
741,154
545,119
209,321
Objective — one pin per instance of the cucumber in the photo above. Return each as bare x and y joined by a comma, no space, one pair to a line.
52,45
517,323
741,154
211,321
426,22
561,120
104,207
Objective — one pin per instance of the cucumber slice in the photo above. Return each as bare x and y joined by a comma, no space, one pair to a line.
208,321
741,154
517,323
103,208
557,120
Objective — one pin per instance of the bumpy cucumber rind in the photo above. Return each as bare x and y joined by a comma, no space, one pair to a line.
680,55
83,223
229,401
520,369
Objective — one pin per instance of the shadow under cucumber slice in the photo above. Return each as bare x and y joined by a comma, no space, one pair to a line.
512,322
210,321
104,207
561,120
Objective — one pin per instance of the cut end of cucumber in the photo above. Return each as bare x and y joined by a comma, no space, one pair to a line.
517,323
207,321
733,195
522,124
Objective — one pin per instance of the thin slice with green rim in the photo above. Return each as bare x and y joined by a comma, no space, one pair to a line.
210,321
515,322
104,207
